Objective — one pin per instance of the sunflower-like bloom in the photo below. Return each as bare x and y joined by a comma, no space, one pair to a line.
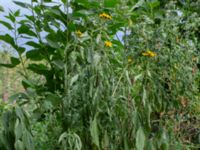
149,53
108,44
105,16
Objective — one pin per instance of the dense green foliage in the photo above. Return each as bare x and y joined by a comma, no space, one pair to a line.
110,74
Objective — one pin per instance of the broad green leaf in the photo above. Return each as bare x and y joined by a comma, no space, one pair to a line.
34,55
24,29
140,139
6,24
15,61
52,43
38,68
8,39
33,44
59,64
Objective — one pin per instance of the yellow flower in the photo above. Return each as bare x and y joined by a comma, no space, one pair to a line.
149,53
105,16
108,44
79,33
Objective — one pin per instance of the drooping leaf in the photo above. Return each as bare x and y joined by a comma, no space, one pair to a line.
94,132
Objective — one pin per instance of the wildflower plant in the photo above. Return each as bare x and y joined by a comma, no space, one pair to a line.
98,89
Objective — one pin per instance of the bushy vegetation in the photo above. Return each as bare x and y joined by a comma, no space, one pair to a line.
111,74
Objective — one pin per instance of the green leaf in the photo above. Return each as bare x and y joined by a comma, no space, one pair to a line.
1,9
22,4
94,132
38,68
8,39
62,137
59,64
18,129
52,43
154,4
28,140
33,44
54,99
138,4
24,29
17,13
6,24
74,79
15,61
34,55
110,3
19,145
11,17
7,65
140,139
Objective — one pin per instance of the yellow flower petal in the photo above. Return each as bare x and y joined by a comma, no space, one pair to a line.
108,44
149,53
105,16
79,33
